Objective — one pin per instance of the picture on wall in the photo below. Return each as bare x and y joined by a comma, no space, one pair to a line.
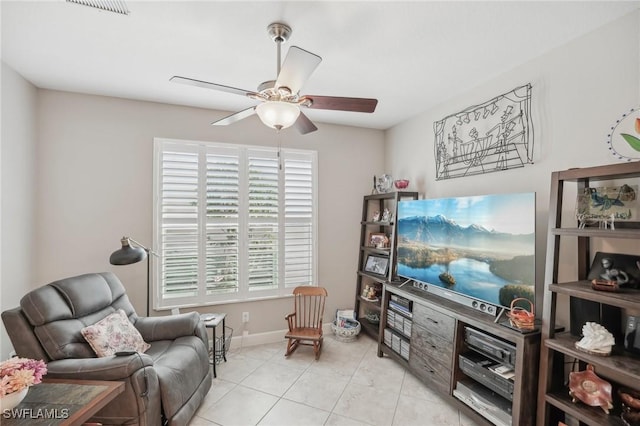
493,136
623,138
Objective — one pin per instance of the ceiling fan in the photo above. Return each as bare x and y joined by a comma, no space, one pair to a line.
280,101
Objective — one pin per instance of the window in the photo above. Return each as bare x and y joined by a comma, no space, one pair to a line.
232,222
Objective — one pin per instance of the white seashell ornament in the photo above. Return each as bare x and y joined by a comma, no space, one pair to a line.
596,339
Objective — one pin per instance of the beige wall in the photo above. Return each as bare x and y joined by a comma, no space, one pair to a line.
95,185
17,202
579,90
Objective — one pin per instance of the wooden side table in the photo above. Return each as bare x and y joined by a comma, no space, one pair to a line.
212,321
62,402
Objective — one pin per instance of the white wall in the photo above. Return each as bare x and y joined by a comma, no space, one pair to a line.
95,185
579,90
17,205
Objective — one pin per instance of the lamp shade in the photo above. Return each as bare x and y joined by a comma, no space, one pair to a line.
127,254
277,114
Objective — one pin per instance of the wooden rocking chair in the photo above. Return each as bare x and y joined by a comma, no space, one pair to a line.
305,324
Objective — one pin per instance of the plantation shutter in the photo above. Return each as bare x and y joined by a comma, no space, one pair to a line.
222,250
179,221
299,216
232,222
262,223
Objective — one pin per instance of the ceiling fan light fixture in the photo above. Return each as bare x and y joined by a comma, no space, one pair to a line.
277,114
115,6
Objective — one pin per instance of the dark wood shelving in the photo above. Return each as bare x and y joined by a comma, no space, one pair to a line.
593,416
628,299
375,250
600,173
624,233
620,368
374,277
373,303
393,354
371,204
438,328
369,326
378,223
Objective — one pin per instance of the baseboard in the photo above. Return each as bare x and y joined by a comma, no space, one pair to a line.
265,338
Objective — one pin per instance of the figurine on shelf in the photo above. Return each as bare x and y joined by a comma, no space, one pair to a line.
596,340
611,279
365,291
372,293
612,274
387,216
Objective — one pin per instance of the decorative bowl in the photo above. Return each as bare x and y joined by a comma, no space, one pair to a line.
12,400
401,183
373,317
587,387
346,334
630,398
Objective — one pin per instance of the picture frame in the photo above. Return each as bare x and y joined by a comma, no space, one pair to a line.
606,206
623,269
377,265
378,240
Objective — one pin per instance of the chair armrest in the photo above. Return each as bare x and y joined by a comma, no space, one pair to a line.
170,327
106,368
289,319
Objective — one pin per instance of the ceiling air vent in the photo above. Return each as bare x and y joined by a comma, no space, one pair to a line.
116,6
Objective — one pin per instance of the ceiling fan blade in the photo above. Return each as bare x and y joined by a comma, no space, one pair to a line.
304,125
342,104
207,85
297,68
235,117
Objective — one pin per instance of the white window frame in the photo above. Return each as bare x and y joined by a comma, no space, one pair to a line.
243,294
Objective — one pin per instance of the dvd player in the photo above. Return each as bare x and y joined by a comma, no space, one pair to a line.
486,403
490,346
480,368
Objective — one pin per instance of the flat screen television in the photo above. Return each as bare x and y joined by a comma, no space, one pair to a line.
480,247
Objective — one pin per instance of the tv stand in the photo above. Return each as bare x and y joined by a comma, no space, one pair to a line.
427,334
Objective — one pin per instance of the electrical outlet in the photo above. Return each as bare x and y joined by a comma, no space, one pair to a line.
245,317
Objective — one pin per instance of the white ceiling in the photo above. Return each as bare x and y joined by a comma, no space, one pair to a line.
409,55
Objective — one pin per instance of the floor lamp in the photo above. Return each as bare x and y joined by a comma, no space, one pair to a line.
129,254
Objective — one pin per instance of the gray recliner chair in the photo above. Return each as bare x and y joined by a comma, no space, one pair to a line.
164,385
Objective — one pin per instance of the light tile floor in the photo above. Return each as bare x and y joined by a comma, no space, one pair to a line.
348,386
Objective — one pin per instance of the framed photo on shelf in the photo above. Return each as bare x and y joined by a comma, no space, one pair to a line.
377,265
378,240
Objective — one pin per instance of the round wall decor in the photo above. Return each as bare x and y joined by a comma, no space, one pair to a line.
624,136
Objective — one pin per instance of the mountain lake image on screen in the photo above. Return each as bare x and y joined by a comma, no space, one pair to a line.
482,247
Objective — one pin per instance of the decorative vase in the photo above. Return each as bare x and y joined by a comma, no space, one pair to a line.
11,400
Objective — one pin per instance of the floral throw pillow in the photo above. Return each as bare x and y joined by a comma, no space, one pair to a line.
114,333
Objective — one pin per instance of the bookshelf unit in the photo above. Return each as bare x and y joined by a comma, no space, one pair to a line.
621,368
376,263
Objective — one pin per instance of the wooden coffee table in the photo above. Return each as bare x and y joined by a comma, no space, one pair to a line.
62,402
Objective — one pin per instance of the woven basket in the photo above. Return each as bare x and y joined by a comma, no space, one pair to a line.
346,334
520,317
